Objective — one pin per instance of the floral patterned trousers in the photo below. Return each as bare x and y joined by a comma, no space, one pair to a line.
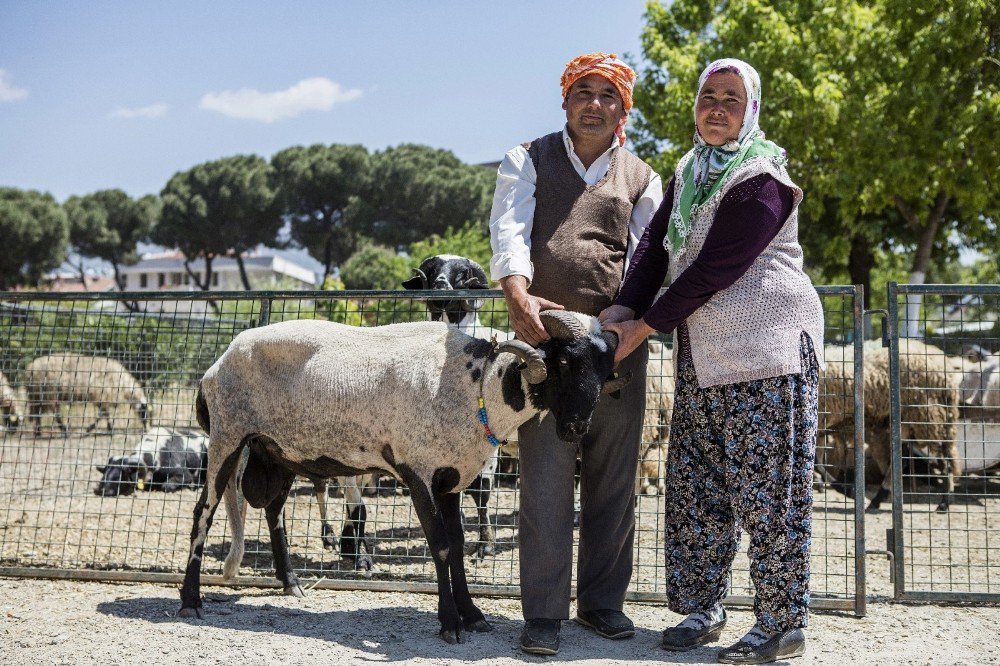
741,456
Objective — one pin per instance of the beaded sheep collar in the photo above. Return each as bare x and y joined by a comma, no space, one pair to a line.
483,416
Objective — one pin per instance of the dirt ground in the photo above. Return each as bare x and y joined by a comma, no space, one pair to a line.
80,623
49,517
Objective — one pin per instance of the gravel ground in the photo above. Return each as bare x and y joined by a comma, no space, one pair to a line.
68,622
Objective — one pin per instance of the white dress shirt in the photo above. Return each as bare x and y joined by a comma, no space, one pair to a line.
513,211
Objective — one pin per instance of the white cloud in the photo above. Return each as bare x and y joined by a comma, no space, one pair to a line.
151,111
9,93
315,94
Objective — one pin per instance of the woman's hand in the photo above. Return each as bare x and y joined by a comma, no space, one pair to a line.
631,334
614,314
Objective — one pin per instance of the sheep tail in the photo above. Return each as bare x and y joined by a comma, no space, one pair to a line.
201,409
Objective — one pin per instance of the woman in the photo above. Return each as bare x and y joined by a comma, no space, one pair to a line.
748,328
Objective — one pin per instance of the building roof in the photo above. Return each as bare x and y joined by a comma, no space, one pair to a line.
165,262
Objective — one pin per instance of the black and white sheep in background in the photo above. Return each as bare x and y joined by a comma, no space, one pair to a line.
322,399
165,459
67,378
451,272
8,405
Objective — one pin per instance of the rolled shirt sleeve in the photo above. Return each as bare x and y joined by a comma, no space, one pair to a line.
512,216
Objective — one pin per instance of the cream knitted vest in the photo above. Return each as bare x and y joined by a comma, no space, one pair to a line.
751,330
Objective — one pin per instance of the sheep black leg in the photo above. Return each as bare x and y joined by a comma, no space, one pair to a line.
204,510
275,513
451,511
481,489
352,540
437,538
884,493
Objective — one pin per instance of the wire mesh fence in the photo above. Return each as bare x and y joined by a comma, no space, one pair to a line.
64,517
945,440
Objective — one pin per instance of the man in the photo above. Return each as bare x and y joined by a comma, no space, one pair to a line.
568,211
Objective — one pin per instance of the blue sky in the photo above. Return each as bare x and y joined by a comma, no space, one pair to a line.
96,95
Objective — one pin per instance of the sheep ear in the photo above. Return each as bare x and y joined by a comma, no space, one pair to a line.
100,468
418,281
616,384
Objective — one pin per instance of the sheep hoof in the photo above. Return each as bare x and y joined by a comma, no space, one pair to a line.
364,563
329,537
294,590
650,490
480,626
942,507
191,613
451,636
484,550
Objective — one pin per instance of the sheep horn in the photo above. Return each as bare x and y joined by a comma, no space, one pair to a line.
562,325
616,384
418,281
535,371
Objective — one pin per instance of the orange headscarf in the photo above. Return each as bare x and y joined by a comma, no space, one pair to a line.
610,67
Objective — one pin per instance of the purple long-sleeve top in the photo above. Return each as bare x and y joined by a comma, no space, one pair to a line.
748,218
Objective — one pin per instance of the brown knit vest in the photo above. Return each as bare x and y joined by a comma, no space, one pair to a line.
579,239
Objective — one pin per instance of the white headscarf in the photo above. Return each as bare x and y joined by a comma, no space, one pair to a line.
710,161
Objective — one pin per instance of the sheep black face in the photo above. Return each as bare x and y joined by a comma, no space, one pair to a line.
578,363
119,477
11,421
447,272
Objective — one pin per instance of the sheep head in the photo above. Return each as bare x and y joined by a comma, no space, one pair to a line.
578,358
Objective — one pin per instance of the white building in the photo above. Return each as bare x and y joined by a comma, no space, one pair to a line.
166,272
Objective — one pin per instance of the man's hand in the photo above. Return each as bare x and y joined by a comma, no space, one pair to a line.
524,308
614,314
631,334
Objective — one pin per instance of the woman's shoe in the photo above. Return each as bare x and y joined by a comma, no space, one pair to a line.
791,643
682,639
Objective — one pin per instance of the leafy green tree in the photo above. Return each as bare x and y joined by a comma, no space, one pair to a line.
220,208
417,191
375,267
882,106
318,185
467,241
34,232
108,224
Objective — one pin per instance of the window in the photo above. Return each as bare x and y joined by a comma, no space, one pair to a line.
161,279
175,279
215,279
143,280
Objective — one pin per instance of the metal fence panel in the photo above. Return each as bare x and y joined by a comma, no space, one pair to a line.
54,524
945,437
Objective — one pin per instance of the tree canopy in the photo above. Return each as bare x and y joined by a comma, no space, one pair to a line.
887,109
220,208
35,231
108,224
318,186
417,191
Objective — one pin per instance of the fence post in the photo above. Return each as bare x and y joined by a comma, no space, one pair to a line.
892,326
860,572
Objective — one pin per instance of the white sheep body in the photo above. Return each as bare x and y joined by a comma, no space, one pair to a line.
68,378
8,404
929,401
299,382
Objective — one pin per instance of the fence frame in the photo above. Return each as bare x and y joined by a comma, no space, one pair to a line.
898,537
857,604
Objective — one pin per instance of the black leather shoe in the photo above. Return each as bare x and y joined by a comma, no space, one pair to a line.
540,636
791,643
606,622
682,639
